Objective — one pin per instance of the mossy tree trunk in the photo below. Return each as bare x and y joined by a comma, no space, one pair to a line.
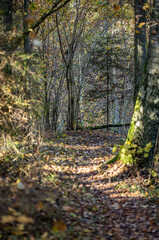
139,148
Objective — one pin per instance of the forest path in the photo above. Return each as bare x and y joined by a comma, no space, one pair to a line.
64,191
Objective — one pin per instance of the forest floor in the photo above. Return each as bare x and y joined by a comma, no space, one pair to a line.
61,188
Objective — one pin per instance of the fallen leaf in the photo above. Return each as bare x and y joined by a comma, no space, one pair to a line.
24,219
44,235
116,7
67,208
87,230
7,219
59,226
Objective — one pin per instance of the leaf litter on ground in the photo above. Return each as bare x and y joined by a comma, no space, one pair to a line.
68,192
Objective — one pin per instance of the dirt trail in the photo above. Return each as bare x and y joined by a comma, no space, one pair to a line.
69,195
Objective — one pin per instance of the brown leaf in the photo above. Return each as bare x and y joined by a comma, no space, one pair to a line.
39,206
116,7
59,226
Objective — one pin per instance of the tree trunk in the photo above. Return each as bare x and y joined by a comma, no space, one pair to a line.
139,148
108,80
25,27
47,107
6,23
71,123
140,43
54,117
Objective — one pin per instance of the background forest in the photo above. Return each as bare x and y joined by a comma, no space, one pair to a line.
78,79
75,69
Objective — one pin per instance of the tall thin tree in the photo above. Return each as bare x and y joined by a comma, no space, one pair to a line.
140,43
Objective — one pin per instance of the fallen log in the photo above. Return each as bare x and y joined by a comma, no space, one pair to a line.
109,126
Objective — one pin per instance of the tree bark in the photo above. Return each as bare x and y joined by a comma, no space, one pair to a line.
140,43
68,57
25,27
47,106
139,148
6,23
71,124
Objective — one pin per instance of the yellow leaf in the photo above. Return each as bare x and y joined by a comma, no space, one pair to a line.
149,145
7,219
18,181
136,192
114,149
24,219
137,31
141,25
134,145
146,155
64,135
126,146
87,230
21,227
146,6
